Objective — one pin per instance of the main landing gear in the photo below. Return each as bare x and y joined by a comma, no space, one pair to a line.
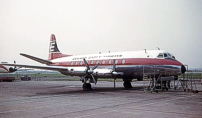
87,86
127,84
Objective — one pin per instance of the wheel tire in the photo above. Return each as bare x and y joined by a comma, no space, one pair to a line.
89,86
86,86
127,84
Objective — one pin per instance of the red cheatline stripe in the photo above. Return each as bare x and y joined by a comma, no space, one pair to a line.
134,61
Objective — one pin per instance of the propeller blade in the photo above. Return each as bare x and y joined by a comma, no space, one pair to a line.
114,82
86,63
95,67
114,66
93,78
114,71
83,77
15,66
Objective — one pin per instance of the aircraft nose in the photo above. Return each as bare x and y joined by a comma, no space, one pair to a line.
183,69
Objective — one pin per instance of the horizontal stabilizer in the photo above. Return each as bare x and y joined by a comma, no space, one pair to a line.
37,59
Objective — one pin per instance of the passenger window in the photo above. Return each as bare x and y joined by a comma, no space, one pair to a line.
81,63
91,63
103,62
110,62
116,61
75,63
71,63
123,61
97,62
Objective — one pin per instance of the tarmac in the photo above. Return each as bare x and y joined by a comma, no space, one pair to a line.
66,99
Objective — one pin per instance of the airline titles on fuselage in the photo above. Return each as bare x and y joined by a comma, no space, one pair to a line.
96,57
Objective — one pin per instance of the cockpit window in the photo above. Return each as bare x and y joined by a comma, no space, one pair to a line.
160,55
165,55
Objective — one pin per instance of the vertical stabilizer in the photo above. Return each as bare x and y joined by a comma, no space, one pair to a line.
54,52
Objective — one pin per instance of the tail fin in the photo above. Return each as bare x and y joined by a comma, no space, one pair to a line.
54,52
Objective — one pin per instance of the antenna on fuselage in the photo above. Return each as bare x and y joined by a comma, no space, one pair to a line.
158,48
145,50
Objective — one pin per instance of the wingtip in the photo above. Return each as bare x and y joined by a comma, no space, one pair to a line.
23,54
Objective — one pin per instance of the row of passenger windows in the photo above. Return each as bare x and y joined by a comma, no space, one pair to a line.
98,62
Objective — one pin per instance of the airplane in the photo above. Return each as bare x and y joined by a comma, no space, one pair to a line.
8,69
127,65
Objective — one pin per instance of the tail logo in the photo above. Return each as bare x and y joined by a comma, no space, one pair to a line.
53,47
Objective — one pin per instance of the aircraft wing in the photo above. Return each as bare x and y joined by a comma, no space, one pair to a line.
56,68
75,71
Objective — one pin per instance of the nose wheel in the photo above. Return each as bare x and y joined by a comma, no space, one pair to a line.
127,84
87,86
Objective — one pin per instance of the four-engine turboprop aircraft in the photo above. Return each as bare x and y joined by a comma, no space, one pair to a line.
126,65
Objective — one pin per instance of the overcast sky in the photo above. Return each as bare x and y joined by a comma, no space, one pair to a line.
92,26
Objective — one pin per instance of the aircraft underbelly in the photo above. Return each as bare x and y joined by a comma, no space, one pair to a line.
132,71
137,71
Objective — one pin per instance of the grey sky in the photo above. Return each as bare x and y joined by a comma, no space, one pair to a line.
92,26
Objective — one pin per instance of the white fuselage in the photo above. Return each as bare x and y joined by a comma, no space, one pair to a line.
132,63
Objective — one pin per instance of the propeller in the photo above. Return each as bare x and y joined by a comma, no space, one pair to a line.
13,69
89,71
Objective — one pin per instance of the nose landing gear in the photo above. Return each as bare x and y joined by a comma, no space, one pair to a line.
127,84
87,86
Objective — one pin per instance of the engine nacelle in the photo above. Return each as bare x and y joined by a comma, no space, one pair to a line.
12,69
